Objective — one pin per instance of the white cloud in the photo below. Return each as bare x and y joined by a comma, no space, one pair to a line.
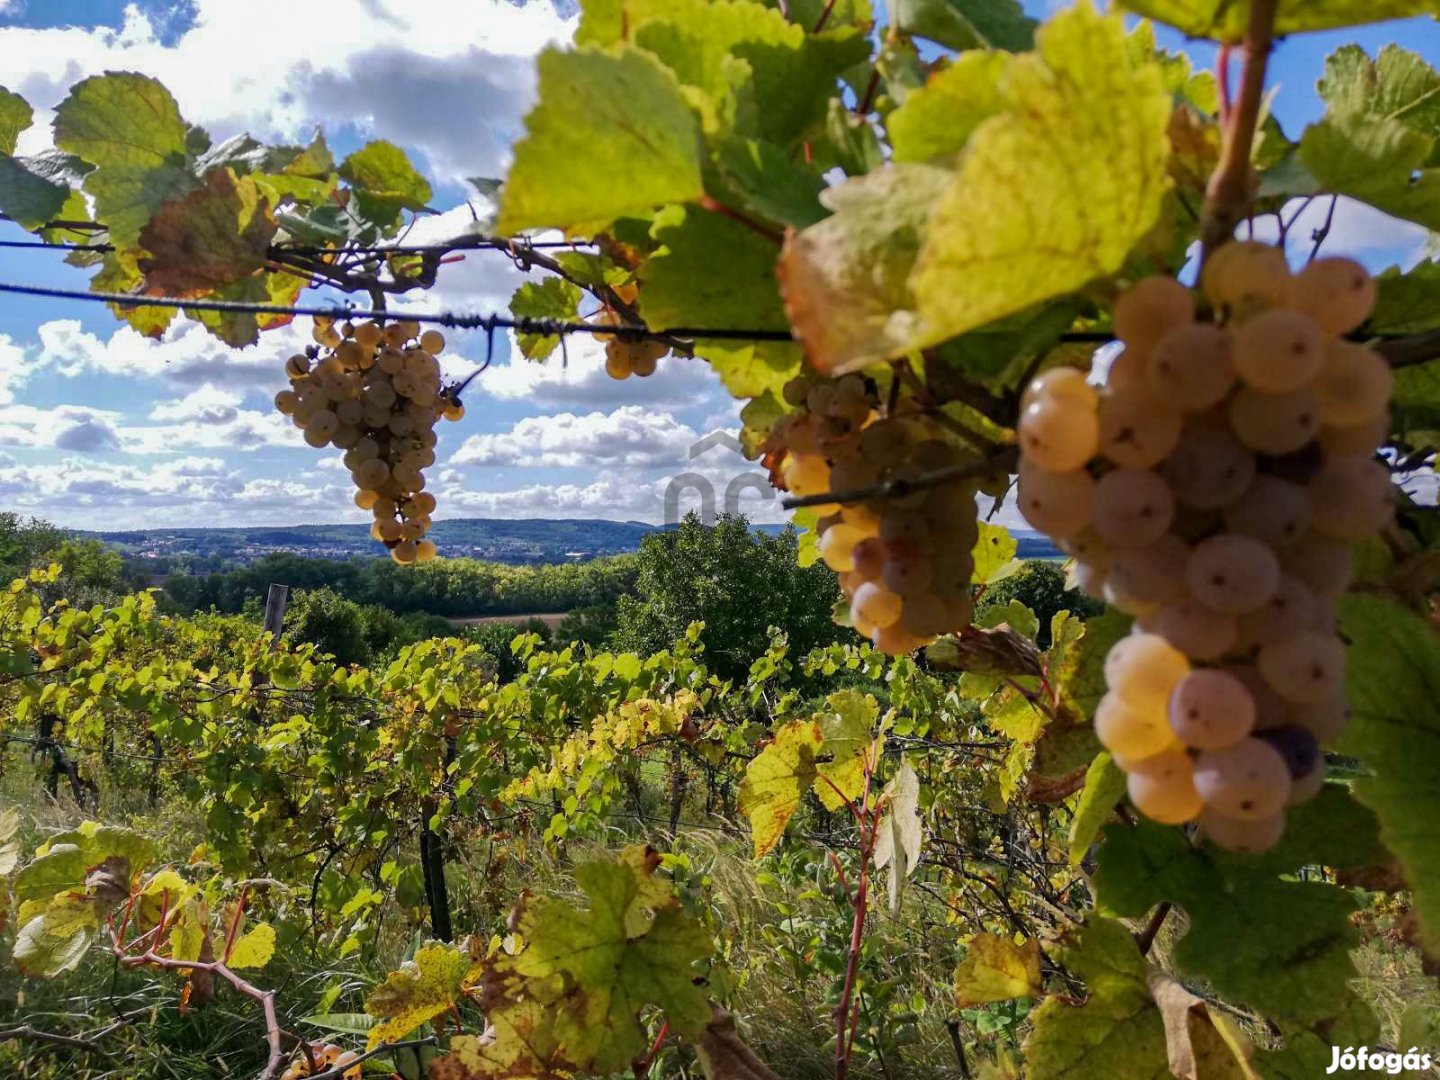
630,437
14,369
208,404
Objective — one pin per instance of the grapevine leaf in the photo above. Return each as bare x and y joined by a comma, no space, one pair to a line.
993,553
128,196
1333,829
1078,157
1104,787
845,727
254,948
15,116
901,835
610,974
552,298
61,869
385,182
846,279
26,196
425,987
937,119
996,969
239,329
211,238
1076,665
1201,1043
639,146
967,24
1392,682
520,1045
712,271
776,779
1281,946
1225,20
56,940
122,120
767,183
1407,302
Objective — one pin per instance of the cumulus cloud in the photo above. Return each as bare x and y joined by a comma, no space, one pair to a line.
86,435
630,437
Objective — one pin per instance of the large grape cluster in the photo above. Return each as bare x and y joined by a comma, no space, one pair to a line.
375,392
905,562
1214,488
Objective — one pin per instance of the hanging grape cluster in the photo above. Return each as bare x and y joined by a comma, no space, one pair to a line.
629,356
375,392
328,1057
1214,488
904,562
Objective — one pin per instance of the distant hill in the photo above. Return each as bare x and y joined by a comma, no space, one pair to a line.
522,540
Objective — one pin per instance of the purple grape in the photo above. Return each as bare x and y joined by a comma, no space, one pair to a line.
1296,745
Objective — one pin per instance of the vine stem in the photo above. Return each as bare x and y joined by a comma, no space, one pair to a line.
1228,194
846,1017
1146,938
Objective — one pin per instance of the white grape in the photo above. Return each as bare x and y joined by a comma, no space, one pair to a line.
1056,503
1162,787
1337,293
1059,434
1306,669
1272,510
1232,574
1137,431
1191,368
1211,709
1278,351
1209,469
1132,508
1247,781
1275,424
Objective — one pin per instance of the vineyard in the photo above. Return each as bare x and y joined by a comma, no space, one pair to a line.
942,258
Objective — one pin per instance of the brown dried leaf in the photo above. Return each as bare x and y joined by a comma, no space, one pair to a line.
1200,1043
724,1056
1000,651
211,238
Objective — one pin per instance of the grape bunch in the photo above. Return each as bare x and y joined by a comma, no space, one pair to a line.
1214,488
374,392
904,562
624,355
328,1057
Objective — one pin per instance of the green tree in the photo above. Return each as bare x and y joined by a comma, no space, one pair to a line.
1040,586
328,620
736,581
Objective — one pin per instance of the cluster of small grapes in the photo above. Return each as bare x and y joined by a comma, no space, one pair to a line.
905,562
625,357
328,1057
375,393
1214,488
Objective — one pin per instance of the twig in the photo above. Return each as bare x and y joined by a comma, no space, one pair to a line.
900,486
1321,233
338,1072
953,1027
89,1042
1146,937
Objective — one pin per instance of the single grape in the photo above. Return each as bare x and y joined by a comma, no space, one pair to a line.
907,571
1232,574
1357,439
1136,430
1354,385
1143,669
1162,787
925,615
837,546
1248,780
1132,508
1191,368
1275,423
1088,548
1244,837
1246,274
1337,293
1150,308
1056,503
1306,669
868,558
1288,611
1196,630
1131,732
1061,382
1323,563
1210,709
1209,469
1153,574
1126,371
896,640
876,605
1279,351
1351,497
806,474
1272,510
1059,434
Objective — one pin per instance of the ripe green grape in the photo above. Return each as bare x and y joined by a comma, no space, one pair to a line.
1247,781
837,546
1132,508
1154,574
1061,382
1197,631
1056,503
1143,669
1323,563
1272,510
1307,668
1291,607
1354,385
1351,497
875,604
1278,351
1136,430
1131,732
1244,274
1191,368
1151,308
1337,293
1275,424
1209,469
1211,709
1232,574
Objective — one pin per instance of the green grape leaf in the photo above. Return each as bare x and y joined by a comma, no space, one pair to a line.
61,869
993,552
385,182
639,146
1078,156
846,279
1281,946
765,182
128,196
28,197
1407,302
1333,829
996,969
240,329
1104,787
213,237
57,940
610,974
967,24
937,120
552,298
776,779
15,116
425,987
901,835
122,120
1225,20
1378,133
254,948
1393,677
712,271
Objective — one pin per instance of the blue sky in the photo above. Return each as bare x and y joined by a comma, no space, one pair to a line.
100,428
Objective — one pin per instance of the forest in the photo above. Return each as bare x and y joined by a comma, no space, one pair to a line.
870,797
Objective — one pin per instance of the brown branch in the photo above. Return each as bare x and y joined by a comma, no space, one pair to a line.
1409,351
90,1043
1146,938
1003,458
1232,185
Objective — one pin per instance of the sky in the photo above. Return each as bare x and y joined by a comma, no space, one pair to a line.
101,428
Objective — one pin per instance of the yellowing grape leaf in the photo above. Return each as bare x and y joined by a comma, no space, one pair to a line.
1201,1043
519,1045
421,990
1225,20
609,975
1104,787
1054,190
254,948
123,120
15,116
996,969
211,238
1393,683
776,779
552,298
383,172
60,869
846,280
937,119
638,147
993,553
127,196
901,834
57,939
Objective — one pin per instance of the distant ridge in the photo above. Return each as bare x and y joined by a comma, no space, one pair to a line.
519,540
